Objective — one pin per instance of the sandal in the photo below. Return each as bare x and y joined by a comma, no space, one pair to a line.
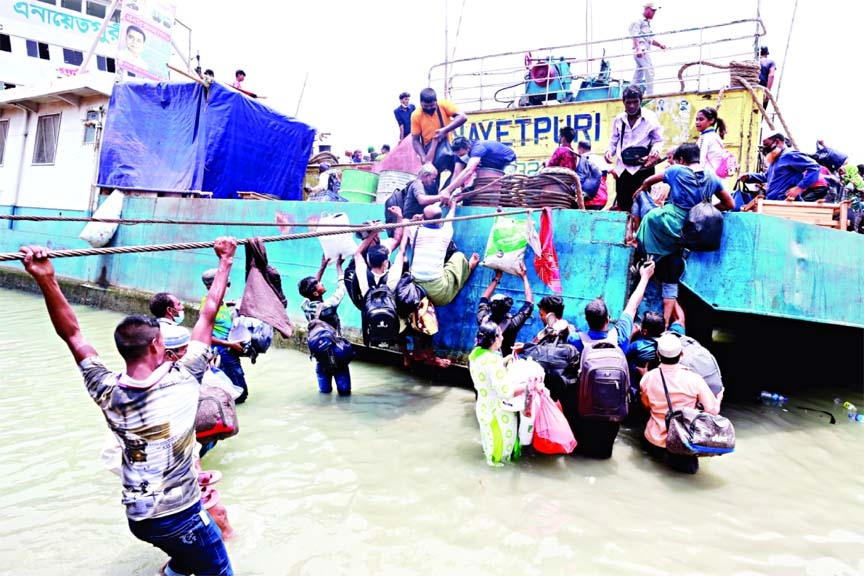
209,477
209,497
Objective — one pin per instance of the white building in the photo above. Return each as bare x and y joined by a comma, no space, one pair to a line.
49,143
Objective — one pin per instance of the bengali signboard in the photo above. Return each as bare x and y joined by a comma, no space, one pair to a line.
145,38
56,25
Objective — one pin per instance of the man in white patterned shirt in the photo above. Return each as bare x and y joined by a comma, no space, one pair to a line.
150,408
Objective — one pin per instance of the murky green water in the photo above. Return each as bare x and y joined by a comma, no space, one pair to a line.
393,481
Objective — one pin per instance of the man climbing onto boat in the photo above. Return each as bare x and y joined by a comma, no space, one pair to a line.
151,408
442,278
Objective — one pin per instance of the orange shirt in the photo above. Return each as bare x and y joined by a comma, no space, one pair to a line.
426,125
685,389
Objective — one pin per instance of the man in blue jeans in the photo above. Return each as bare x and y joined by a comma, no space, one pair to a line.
151,408
229,352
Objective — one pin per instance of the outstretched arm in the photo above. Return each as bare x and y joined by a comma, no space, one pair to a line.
225,247
65,323
324,262
492,285
523,273
645,273
466,173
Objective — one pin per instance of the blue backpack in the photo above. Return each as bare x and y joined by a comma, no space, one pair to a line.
328,348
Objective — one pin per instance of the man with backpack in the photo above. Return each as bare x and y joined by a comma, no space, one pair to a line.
604,378
376,284
421,192
327,189
332,353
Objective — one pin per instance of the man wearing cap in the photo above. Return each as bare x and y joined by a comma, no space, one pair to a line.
497,309
767,68
326,190
686,389
790,173
150,408
229,352
643,40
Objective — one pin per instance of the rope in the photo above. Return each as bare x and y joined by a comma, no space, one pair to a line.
765,114
133,222
5,257
749,70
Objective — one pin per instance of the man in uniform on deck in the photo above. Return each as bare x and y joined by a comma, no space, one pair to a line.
151,408
643,40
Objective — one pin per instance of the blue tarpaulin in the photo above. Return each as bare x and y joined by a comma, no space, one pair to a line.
177,137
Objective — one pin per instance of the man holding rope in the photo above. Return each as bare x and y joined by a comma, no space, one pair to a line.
150,408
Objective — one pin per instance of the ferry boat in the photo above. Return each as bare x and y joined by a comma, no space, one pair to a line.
773,284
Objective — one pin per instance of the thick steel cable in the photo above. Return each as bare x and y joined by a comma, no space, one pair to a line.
200,245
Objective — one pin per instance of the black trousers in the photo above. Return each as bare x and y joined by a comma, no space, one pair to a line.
627,184
679,463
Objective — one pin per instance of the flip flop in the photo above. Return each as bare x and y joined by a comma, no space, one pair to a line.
209,477
209,497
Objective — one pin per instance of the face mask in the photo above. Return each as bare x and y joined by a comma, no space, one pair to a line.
767,149
464,158
178,319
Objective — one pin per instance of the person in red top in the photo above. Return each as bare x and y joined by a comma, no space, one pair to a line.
686,388
564,156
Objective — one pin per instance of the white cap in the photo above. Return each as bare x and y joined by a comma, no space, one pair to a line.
669,346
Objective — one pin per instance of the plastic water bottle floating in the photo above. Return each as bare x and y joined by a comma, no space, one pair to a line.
847,405
855,417
772,398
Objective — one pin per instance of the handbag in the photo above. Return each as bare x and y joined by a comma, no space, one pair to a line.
692,432
703,227
633,155
444,158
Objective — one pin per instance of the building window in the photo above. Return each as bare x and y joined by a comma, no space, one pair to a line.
115,17
38,50
90,126
52,2
73,57
71,5
47,134
4,130
105,64
5,43
96,9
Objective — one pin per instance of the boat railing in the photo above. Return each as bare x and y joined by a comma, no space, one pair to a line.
604,67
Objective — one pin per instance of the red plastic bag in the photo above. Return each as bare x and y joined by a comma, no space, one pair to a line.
546,261
552,434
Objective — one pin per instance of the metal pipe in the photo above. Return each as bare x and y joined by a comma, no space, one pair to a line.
83,68
18,178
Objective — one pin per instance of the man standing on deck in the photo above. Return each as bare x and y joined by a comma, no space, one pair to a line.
431,125
403,115
229,352
636,142
151,408
643,40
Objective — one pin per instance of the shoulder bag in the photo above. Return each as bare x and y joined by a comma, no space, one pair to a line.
444,157
692,432
633,155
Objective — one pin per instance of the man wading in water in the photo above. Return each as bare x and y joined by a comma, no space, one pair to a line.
151,409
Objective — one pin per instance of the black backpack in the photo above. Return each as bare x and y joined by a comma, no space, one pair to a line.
333,183
560,361
380,321
397,198
329,349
